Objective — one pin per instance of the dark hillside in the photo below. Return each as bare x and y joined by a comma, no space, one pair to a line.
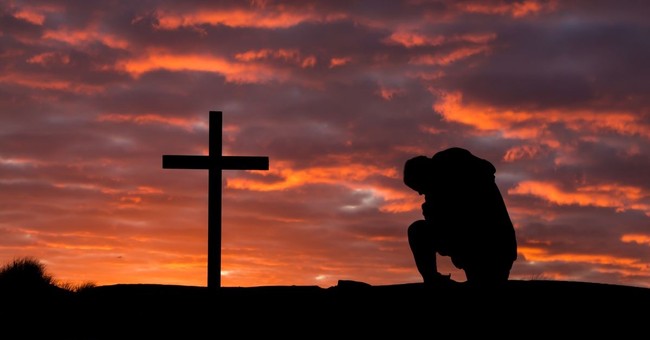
348,309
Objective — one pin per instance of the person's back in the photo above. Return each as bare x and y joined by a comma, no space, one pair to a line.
465,214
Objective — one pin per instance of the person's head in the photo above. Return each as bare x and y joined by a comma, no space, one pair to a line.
450,171
416,172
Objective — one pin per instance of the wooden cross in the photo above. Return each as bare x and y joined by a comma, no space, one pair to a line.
214,162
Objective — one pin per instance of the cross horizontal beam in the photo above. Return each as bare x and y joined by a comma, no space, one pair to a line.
207,162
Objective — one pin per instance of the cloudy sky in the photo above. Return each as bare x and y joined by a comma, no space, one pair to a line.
338,95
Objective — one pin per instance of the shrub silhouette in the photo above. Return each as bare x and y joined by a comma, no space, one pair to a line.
29,274
25,273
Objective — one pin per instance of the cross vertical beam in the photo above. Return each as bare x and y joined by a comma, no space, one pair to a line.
214,199
215,162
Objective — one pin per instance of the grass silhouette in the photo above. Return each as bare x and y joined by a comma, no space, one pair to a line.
25,273
30,274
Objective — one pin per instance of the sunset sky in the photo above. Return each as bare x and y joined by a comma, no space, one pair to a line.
338,94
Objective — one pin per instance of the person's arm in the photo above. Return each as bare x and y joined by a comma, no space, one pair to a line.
428,208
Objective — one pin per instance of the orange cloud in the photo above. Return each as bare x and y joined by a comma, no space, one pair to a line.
414,39
42,239
533,254
291,178
516,9
532,124
41,81
86,186
309,61
185,123
477,38
611,195
289,55
278,17
351,176
430,130
234,72
133,198
448,58
88,35
389,93
520,213
336,62
398,203
452,108
636,238
145,190
48,58
31,15
410,39
522,152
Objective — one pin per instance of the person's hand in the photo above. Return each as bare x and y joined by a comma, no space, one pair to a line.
427,210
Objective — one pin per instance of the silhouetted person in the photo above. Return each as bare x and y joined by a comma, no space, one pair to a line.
465,218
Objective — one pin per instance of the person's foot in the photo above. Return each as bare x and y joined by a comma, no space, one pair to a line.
438,279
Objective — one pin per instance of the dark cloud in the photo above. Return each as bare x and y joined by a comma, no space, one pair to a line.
567,61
